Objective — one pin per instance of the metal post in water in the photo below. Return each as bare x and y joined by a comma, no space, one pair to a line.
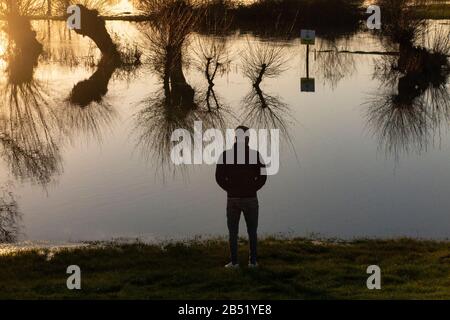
307,61
49,8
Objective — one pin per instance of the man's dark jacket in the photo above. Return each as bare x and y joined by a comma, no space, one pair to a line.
240,180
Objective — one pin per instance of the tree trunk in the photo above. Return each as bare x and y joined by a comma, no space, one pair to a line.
93,26
49,8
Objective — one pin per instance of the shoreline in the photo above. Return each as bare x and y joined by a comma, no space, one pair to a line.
294,268
30,244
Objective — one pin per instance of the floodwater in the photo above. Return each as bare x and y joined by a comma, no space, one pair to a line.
350,165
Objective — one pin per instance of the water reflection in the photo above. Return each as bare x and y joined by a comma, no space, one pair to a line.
10,216
262,60
87,112
415,102
199,77
177,105
400,20
95,88
173,107
332,63
29,123
33,126
211,58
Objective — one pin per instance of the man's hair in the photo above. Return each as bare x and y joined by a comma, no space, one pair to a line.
243,128
242,134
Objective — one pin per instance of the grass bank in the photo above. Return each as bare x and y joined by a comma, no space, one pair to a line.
290,269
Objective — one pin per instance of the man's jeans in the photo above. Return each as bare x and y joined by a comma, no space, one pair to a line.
250,208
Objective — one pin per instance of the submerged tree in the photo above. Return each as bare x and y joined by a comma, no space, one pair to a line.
416,101
86,111
18,27
211,56
265,111
262,60
408,114
167,37
176,105
157,120
400,21
93,26
29,126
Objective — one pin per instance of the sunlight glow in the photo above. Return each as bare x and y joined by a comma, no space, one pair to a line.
3,48
123,6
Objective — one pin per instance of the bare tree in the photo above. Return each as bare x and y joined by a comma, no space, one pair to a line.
167,37
263,59
413,104
400,21
211,56
30,128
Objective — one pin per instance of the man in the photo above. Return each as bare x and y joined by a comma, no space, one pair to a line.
239,173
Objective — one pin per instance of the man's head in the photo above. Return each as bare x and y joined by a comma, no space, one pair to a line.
242,134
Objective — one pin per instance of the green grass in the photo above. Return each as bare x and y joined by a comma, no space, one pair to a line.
290,269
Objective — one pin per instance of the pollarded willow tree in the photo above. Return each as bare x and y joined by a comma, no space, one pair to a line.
29,126
93,26
167,35
413,103
169,32
400,21
18,27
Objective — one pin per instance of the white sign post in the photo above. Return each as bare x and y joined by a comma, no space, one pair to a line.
308,37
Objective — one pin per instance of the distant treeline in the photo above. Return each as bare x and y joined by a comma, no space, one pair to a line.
327,17
265,16
285,13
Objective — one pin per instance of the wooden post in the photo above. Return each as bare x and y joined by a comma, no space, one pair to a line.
49,8
307,61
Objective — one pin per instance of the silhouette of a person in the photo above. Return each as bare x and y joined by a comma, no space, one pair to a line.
239,173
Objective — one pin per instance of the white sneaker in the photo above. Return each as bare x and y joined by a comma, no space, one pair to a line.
232,266
253,265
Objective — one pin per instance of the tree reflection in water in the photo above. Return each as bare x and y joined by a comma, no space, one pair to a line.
176,105
262,60
332,64
414,103
87,111
29,126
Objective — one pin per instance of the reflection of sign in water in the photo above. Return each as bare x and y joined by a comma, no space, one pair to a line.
308,36
308,85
